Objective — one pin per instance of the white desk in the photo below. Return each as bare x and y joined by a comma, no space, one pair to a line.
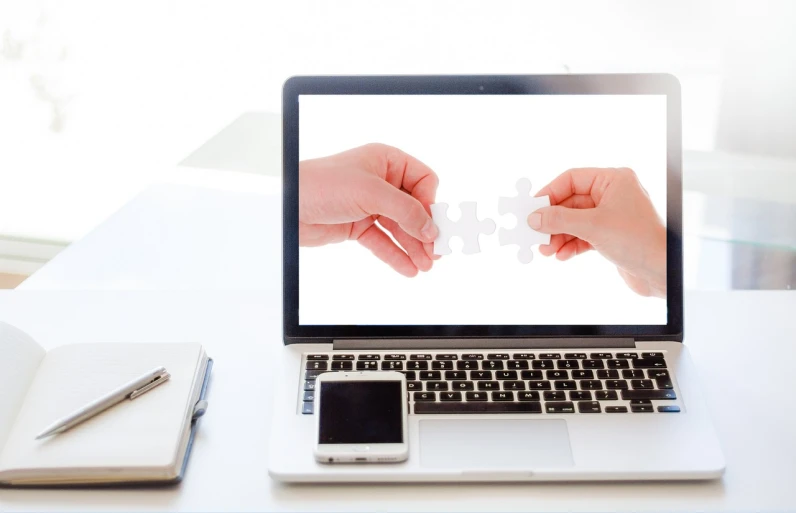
752,409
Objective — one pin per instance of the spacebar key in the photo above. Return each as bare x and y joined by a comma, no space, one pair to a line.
479,407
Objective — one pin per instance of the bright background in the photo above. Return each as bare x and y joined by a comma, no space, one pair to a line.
480,146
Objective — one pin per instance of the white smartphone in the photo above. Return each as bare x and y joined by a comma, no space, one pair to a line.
362,417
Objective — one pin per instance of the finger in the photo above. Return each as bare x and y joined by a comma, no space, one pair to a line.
573,248
556,241
578,201
380,244
558,219
413,247
572,181
406,172
376,196
429,247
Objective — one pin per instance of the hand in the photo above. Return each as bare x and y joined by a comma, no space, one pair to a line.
607,210
359,193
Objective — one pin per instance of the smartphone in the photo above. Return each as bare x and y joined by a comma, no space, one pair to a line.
362,417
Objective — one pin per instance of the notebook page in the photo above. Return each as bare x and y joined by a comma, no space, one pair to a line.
20,356
143,433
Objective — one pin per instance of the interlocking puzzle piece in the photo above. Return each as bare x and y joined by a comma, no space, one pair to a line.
521,206
468,227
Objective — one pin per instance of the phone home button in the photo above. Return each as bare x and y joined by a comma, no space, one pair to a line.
361,448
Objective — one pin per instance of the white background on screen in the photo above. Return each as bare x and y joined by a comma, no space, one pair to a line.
479,146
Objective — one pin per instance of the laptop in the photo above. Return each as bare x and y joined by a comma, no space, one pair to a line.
542,371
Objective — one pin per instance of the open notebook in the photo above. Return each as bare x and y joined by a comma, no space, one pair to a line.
142,441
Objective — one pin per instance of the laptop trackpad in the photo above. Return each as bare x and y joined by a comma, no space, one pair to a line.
495,444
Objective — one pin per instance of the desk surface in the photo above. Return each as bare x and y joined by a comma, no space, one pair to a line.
725,332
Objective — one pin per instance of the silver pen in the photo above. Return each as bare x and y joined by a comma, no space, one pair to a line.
131,390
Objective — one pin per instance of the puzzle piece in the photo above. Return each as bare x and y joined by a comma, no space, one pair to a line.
521,206
468,227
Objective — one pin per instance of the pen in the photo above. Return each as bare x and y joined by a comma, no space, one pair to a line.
130,390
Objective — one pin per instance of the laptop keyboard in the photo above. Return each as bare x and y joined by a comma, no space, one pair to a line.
516,382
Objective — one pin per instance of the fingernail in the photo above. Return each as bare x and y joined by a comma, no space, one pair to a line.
535,220
429,231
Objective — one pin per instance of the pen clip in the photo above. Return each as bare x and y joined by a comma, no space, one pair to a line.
149,386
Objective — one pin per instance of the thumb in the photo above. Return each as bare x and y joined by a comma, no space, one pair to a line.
557,219
381,198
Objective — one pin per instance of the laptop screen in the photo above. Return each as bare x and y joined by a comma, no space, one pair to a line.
479,147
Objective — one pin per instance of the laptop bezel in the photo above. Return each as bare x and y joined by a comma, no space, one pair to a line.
614,84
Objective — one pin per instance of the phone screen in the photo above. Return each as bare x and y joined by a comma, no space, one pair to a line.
361,412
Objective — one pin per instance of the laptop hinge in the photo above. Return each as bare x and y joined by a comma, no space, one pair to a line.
482,343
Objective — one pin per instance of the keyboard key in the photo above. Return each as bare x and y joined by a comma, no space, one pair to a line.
633,374
517,364
369,357
513,385
566,385
430,375
652,355
368,365
539,385
664,383
616,384
425,396
476,396
629,395
317,357
557,374
307,408
568,364
641,384
341,365
497,356
642,408
550,356
446,357
627,355
505,375
556,395
467,365
312,374
392,365
580,395
616,409
657,373
534,374
309,385
566,407
480,375
589,407
309,396
593,364
523,356
420,357
339,357
492,365
649,363
395,357
488,385
582,374
542,364
456,375
316,365
436,386
601,356
442,365
410,375
472,356
450,396
591,384
416,365
618,364
462,385
606,395
577,356
478,407
413,386
608,374
502,396
669,409
639,402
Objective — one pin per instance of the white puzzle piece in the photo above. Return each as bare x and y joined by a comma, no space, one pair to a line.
468,227
521,206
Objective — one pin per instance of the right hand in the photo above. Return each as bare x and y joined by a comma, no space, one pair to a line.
607,210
